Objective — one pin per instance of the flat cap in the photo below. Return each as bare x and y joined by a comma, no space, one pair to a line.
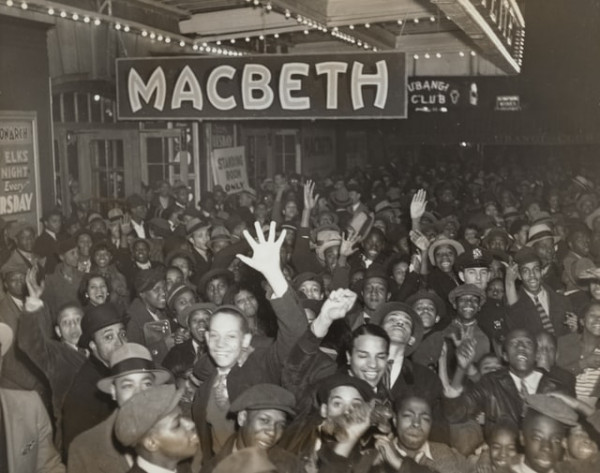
342,379
473,258
184,318
265,396
176,291
115,214
306,276
464,290
552,407
6,338
96,318
146,279
140,413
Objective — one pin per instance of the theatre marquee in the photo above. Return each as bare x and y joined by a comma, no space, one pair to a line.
350,85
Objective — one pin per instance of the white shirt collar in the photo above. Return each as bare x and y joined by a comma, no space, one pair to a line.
151,467
532,381
51,233
18,302
424,451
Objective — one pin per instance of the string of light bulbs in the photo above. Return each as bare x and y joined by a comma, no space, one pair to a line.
123,26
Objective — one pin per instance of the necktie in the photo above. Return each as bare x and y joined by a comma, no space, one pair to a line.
524,392
220,392
544,317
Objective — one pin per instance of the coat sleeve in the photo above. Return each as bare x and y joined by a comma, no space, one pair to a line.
33,337
48,460
468,404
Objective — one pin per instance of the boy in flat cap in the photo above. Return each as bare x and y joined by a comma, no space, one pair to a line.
262,411
25,428
148,323
102,332
151,423
131,371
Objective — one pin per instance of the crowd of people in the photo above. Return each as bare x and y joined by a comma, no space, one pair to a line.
439,319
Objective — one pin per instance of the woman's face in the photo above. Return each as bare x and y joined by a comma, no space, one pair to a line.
97,291
399,272
102,258
246,302
84,245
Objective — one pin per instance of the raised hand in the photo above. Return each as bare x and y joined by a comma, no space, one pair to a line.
265,257
310,199
465,353
348,242
35,290
418,204
126,224
571,321
389,453
419,240
512,272
338,304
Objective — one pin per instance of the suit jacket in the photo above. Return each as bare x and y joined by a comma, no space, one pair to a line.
138,318
85,406
28,434
523,313
97,451
47,247
263,365
497,396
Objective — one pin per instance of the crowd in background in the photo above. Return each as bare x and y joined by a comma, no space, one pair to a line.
434,318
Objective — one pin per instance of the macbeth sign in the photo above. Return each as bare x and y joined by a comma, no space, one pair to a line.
354,85
19,179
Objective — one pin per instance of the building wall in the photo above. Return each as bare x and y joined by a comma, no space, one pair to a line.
25,86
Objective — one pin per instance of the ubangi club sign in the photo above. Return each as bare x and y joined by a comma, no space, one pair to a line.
349,85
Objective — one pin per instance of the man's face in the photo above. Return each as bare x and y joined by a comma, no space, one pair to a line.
545,250
580,445
368,358
520,352
503,446
531,275
467,307
124,387
495,290
200,238
332,255
198,323
156,298
354,196
69,325
173,276
427,311
216,289
595,290
591,321
543,441
580,243
375,293
312,290
546,350
341,400
183,264
399,272
398,325
25,240
141,252
413,423
139,212
71,257
175,436
444,257
102,258
106,340
182,196
261,428
14,282
478,276
226,340
373,245
54,223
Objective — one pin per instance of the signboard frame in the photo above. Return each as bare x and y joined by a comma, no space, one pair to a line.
30,117
239,113
228,153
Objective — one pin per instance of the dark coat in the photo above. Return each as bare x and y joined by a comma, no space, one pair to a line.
85,406
138,318
47,247
180,358
524,315
442,284
497,396
60,290
264,365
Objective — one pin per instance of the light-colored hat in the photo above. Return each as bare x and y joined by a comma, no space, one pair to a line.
539,232
441,241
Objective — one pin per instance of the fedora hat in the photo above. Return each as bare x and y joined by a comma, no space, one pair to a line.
441,241
539,232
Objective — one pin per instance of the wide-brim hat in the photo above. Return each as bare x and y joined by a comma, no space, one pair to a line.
213,274
587,197
340,197
552,407
539,232
96,318
417,325
466,289
132,358
588,273
441,242
194,224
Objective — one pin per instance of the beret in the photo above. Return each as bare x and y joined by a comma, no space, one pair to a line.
97,318
466,289
146,279
552,407
265,396
328,384
140,413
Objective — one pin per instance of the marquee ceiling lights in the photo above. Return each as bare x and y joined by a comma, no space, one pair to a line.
65,12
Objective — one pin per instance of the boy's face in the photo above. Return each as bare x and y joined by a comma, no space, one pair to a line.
503,446
467,307
544,442
580,445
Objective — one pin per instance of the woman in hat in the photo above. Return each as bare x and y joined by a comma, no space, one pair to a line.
102,255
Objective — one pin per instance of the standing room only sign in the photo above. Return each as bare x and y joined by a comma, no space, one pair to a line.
348,85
